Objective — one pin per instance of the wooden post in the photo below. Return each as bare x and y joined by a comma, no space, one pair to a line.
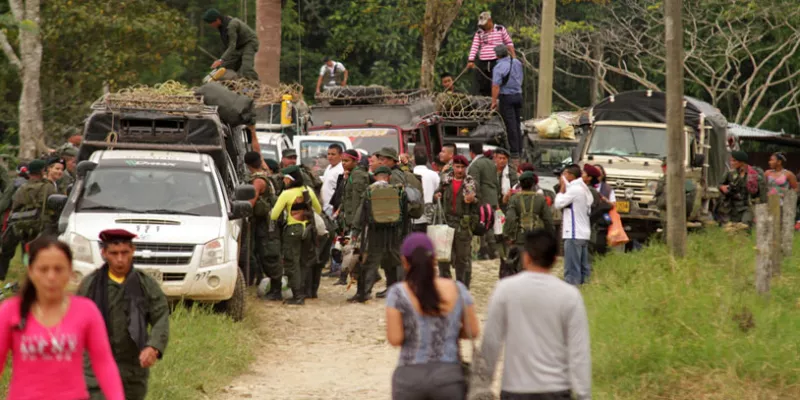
774,205
763,239
544,103
676,141
788,218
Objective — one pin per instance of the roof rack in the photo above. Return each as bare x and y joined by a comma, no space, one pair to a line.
370,95
464,107
191,104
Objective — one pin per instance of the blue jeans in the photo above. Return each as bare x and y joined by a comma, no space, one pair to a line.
576,261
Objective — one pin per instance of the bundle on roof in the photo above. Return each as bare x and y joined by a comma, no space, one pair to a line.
460,106
369,95
263,94
168,96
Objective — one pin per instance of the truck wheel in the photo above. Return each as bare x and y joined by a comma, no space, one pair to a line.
234,306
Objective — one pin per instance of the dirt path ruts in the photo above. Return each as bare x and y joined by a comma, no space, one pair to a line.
329,349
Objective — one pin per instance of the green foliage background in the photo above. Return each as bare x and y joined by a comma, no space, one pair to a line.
89,43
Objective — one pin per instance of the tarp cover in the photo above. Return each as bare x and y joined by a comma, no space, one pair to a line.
406,116
158,127
648,106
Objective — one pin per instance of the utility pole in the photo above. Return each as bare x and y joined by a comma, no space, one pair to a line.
676,142
544,103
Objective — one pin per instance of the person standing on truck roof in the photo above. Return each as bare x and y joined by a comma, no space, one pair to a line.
507,89
575,199
130,302
458,194
482,54
240,43
331,74
299,252
484,172
264,233
29,217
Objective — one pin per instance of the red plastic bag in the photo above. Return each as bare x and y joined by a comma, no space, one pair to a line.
616,232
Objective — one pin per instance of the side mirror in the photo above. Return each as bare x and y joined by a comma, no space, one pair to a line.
240,209
698,161
244,192
56,202
84,167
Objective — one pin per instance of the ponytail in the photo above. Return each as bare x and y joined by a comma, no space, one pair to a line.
422,281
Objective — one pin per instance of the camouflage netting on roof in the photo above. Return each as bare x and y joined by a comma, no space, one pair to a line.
168,96
262,94
460,106
373,95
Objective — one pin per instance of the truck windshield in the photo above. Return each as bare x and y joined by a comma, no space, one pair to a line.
369,139
150,191
630,141
546,157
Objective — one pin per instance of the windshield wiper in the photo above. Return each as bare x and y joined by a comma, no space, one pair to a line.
603,153
654,155
110,208
165,211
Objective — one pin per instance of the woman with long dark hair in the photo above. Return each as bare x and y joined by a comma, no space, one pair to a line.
47,332
425,316
779,179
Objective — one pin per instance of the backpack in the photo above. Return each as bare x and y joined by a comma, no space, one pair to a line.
528,219
31,216
413,189
485,220
385,204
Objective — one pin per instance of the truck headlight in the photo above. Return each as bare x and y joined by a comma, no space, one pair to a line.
81,248
213,253
651,186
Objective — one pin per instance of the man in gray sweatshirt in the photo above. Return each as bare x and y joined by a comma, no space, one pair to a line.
542,322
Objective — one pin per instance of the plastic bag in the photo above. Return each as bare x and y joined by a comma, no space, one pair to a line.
319,222
499,221
548,128
616,231
441,235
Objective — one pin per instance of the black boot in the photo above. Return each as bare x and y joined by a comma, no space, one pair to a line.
274,293
342,279
295,300
316,273
363,289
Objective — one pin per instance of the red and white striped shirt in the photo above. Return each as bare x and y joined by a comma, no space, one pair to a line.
486,42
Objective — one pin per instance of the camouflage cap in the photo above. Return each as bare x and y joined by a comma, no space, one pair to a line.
289,153
388,152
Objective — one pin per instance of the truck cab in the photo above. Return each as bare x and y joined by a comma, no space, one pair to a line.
628,138
187,224
403,121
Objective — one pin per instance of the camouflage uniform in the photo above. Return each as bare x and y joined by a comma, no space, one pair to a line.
241,46
462,218
519,207
29,218
126,352
354,187
737,205
265,236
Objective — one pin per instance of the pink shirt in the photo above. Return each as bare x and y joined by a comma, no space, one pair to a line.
483,43
48,363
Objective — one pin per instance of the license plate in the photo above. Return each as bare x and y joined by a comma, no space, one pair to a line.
623,207
155,274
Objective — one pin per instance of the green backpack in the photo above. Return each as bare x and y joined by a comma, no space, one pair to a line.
528,219
30,217
385,204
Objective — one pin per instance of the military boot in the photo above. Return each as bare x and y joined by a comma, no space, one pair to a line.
274,293
361,296
296,300
342,279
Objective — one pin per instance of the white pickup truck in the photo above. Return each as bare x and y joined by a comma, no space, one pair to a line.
188,225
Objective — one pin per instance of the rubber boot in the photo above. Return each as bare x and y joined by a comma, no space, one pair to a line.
361,295
274,293
342,278
316,277
296,300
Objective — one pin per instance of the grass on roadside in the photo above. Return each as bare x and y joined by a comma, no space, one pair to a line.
694,328
206,351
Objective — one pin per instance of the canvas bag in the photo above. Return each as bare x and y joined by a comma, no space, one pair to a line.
384,204
441,235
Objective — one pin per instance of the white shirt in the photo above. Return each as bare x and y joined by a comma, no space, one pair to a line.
576,202
430,182
612,197
330,80
542,322
329,179
505,182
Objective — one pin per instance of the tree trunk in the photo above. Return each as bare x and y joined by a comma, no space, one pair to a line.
268,28
29,62
544,99
596,90
676,142
439,16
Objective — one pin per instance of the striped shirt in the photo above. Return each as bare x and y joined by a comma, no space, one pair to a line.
486,42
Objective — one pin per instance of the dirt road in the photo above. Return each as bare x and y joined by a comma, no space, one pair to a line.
330,349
